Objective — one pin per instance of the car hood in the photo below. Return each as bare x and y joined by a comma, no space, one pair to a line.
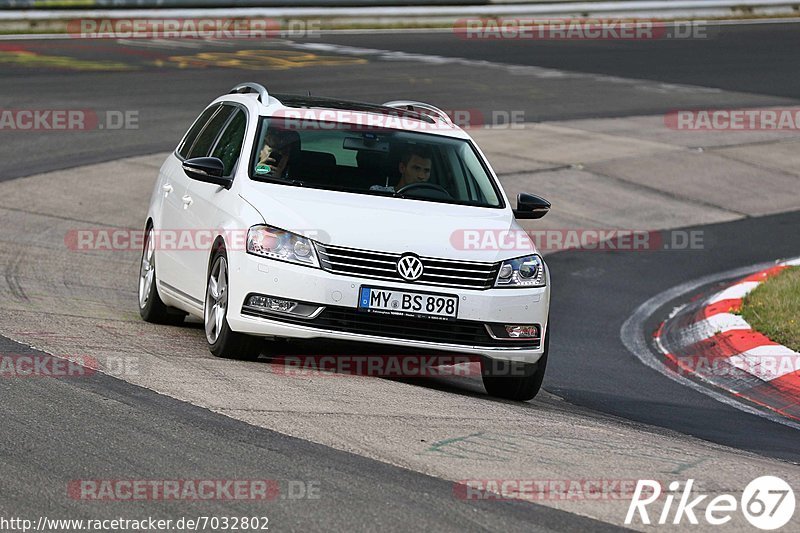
387,224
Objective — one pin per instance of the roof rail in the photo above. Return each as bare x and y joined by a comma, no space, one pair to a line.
420,107
250,87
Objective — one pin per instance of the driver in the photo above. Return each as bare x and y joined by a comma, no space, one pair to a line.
415,166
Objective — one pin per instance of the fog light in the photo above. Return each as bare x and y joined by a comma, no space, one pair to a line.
522,332
272,304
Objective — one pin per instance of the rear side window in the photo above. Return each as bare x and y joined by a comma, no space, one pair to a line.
194,131
202,145
230,143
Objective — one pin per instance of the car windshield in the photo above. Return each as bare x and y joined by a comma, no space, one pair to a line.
385,162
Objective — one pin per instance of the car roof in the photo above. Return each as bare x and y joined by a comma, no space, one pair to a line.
308,102
404,115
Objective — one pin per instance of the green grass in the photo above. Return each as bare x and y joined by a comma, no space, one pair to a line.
773,308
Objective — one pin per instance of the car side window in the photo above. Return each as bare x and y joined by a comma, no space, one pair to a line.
194,131
202,145
229,145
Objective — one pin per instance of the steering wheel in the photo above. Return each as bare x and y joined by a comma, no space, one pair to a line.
425,185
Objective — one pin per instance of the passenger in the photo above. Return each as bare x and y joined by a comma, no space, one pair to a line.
274,155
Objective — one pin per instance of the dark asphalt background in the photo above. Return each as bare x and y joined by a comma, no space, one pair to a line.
56,431
754,65
755,58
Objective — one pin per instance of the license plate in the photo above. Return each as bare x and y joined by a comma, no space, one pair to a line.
404,303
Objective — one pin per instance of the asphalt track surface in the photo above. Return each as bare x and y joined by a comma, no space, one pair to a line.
85,430
596,292
608,286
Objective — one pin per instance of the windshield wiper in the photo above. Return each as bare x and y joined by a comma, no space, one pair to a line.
282,181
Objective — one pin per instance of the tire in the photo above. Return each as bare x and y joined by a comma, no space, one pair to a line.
222,341
151,307
525,382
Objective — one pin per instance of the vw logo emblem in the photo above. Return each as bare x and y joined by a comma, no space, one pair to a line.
409,267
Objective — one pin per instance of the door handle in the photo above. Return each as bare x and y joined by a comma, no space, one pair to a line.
167,188
187,201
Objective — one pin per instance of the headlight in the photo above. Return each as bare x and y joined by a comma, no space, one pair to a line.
275,243
525,271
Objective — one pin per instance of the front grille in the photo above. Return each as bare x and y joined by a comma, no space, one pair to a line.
383,265
348,320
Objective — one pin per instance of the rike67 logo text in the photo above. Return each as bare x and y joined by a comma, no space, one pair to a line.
767,503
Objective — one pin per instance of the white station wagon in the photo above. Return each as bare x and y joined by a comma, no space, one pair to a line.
303,217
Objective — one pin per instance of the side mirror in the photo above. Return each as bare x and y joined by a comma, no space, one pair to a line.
531,206
207,170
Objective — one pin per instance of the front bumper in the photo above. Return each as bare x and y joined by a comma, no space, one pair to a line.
338,319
